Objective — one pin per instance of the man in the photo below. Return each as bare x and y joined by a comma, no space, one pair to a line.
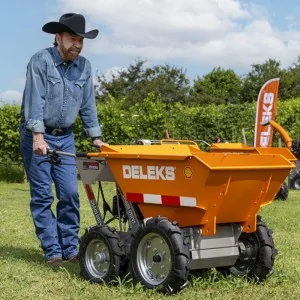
59,86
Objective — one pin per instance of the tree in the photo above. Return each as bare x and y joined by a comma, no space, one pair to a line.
255,79
134,84
220,86
289,86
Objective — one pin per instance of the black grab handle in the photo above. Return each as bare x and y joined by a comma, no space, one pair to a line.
81,154
63,153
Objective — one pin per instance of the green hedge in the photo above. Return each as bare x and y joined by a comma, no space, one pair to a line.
151,118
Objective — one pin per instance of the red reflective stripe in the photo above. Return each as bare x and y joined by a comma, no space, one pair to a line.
165,200
170,200
135,197
89,192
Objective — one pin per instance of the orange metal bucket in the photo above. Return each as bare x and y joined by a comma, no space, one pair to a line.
197,188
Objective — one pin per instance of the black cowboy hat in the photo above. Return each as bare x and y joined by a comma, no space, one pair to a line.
72,23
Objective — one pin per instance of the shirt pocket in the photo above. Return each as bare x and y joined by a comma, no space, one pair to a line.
79,87
54,86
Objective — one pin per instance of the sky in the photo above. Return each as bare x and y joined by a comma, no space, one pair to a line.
194,35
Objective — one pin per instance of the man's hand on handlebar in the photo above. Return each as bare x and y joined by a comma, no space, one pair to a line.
98,143
39,146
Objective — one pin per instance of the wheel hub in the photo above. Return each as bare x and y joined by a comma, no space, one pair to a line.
248,253
157,258
97,258
100,257
154,258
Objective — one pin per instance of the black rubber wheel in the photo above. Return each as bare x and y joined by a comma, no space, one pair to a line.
100,255
283,193
160,256
257,254
295,181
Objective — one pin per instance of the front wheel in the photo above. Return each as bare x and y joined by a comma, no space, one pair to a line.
257,254
100,255
160,256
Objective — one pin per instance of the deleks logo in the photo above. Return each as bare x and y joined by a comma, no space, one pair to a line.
148,172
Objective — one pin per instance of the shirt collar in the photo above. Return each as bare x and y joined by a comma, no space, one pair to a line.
58,60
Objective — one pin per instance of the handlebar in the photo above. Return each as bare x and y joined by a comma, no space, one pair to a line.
53,156
63,153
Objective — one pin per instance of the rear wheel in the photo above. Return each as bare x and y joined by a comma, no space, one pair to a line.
257,254
295,181
100,255
160,256
283,193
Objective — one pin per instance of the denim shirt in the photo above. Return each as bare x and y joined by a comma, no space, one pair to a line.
56,93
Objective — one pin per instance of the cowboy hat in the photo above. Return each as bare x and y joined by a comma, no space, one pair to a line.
72,23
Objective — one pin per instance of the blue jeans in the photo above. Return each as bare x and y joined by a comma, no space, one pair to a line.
58,234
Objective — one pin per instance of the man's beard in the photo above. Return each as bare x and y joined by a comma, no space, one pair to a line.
70,54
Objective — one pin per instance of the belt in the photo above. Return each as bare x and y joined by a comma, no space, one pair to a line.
58,131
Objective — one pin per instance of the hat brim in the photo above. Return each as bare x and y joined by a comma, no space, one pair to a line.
56,27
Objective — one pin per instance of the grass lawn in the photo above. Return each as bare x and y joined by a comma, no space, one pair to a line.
24,274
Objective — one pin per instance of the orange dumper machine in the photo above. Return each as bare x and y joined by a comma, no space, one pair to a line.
179,209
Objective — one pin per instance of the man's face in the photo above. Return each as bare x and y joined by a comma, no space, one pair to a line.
69,45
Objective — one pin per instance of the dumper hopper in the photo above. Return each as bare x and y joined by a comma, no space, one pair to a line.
197,188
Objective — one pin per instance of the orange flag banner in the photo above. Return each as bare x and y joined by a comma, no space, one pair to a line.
265,111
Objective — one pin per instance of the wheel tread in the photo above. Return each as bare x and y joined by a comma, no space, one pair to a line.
177,279
265,257
111,238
